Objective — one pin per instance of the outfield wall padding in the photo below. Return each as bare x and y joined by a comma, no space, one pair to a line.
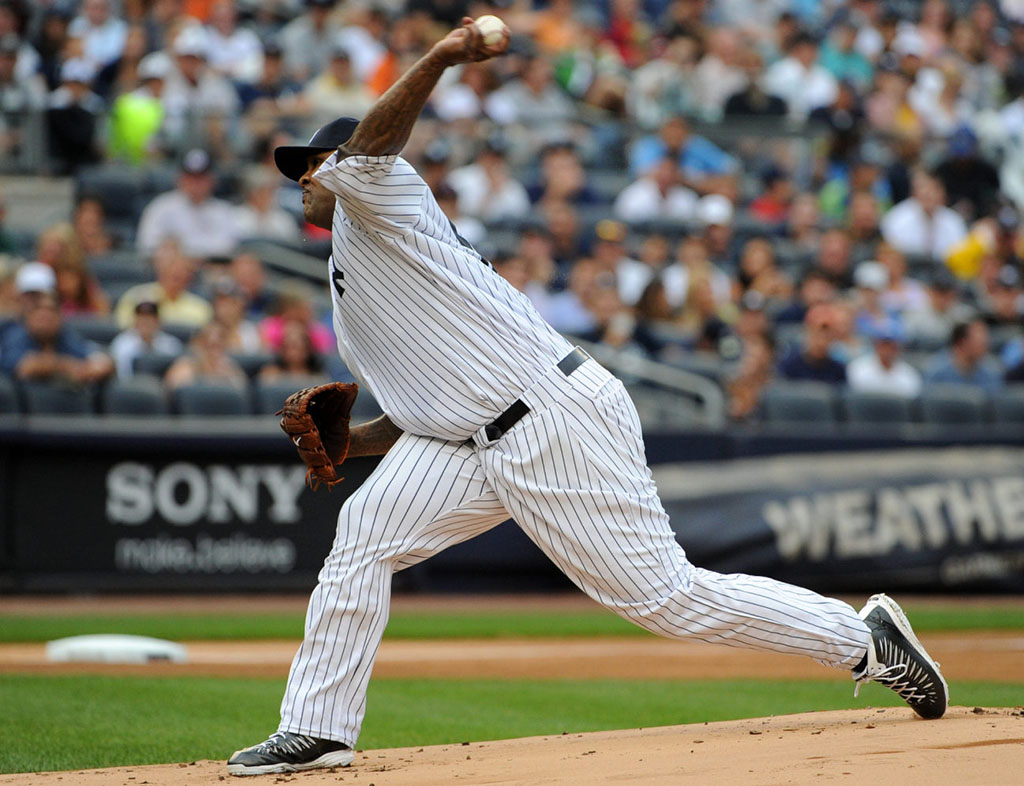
171,504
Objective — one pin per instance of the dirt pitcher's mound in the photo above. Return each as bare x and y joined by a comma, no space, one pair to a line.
851,747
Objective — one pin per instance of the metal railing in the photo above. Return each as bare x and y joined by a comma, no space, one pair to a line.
664,395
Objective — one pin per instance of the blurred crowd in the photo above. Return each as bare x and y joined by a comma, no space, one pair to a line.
755,190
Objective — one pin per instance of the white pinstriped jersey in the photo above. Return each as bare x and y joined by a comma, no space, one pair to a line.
446,345
441,340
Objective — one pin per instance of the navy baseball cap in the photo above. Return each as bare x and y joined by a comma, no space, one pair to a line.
291,159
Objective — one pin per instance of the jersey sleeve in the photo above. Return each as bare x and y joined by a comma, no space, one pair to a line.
383,193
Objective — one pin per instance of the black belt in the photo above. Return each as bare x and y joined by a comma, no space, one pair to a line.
507,419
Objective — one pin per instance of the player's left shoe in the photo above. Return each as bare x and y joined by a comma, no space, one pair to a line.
287,752
897,660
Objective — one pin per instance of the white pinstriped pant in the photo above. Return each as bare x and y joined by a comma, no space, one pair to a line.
572,473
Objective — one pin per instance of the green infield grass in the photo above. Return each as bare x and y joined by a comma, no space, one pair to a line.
433,625
77,722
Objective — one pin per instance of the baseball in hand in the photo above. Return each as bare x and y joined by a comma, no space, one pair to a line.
492,29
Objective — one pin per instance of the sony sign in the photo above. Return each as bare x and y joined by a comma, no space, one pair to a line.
184,494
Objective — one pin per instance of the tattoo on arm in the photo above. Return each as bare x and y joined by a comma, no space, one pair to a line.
385,130
374,438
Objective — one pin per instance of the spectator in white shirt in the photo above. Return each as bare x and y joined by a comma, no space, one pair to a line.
194,93
657,195
931,323
202,225
610,255
260,216
309,39
335,91
486,189
719,74
240,334
469,228
923,225
103,34
883,370
535,99
235,52
143,338
692,261
800,80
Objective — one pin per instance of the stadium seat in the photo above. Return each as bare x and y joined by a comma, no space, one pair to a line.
120,190
962,405
705,364
118,267
252,362
93,328
927,344
876,408
812,403
181,332
42,398
142,395
608,183
269,396
1008,405
154,364
207,399
8,397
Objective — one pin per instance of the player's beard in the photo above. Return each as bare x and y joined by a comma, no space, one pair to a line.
318,206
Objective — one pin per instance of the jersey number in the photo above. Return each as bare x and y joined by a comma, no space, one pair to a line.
338,277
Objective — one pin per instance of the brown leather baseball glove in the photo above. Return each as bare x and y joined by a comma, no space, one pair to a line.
316,420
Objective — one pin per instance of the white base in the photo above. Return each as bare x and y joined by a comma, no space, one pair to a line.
115,648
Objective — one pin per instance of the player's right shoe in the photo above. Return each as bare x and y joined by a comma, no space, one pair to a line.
287,752
897,660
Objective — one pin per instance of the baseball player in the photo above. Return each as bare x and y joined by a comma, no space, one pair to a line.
491,414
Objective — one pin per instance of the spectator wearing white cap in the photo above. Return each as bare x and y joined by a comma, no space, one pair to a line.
202,225
882,370
41,348
871,280
103,33
194,93
33,278
73,118
715,215
22,287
